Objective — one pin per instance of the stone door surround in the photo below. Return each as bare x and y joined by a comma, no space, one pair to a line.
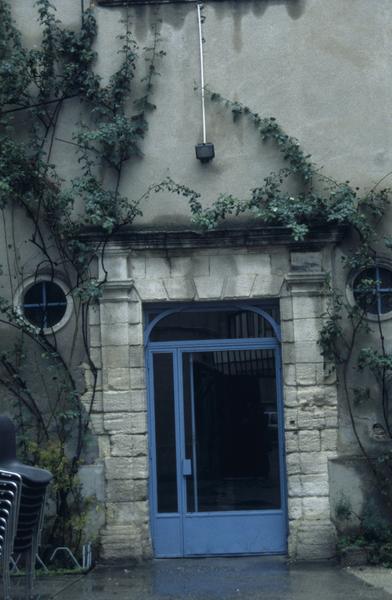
251,265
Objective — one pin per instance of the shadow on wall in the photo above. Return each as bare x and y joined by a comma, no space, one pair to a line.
175,12
295,8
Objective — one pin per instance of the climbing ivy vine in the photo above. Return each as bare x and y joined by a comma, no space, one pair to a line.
37,85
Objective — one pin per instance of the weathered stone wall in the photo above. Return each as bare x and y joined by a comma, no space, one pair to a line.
116,332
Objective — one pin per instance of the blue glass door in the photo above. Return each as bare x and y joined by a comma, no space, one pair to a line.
217,448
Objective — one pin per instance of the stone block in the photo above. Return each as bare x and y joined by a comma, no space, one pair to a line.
189,266
286,308
291,440
314,541
118,379
117,422
138,378
293,464
138,400
288,353
137,267
135,334
95,336
113,313
257,264
294,508
136,356
331,396
309,441
221,265
287,331
315,484
294,486
116,401
126,467
311,420
306,374
209,288
306,261
122,543
329,439
266,286
115,356
279,263
126,490
307,352
114,335
134,313
121,513
310,397
331,421
179,288
157,267
314,462
151,289
307,307
96,357
93,314
307,330
316,507
289,375
238,286
128,445
139,423
291,419
290,396
116,267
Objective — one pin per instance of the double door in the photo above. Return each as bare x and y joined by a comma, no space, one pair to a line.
216,449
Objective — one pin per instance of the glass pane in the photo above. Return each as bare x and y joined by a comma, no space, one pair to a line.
54,314
235,444
165,439
213,324
365,294
34,295
54,293
385,277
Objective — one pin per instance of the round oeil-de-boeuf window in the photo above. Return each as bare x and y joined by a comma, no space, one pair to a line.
372,290
44,304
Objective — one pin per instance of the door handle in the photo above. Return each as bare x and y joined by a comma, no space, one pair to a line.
186,467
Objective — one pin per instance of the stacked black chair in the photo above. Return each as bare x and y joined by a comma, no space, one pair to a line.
22,502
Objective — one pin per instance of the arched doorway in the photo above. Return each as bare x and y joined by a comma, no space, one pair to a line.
216,431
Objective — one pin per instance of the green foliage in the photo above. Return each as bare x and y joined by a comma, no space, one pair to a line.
38,83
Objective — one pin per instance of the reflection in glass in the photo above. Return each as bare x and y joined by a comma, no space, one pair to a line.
231,434
165,433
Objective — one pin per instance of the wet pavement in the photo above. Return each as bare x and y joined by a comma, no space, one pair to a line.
250,578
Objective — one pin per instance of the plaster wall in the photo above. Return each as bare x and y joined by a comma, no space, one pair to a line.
321,68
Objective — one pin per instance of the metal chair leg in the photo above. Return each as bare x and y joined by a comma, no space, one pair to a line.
30,563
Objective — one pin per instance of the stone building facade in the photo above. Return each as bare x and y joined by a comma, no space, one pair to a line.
303,62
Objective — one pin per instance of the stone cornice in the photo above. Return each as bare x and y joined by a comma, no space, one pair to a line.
131,238
304,283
